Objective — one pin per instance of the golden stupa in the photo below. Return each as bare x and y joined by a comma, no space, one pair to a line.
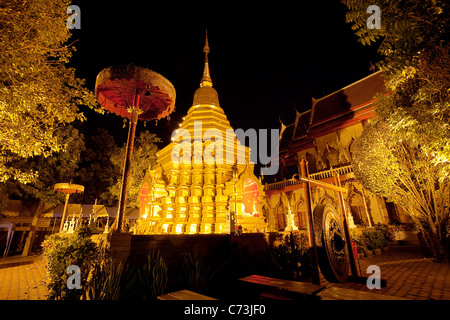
203,181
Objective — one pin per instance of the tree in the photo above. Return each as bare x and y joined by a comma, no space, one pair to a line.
410,29
97,173
144,156
418,110
38,92
403,173
410,140
414,43
59,167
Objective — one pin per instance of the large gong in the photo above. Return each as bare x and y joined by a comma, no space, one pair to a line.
332,253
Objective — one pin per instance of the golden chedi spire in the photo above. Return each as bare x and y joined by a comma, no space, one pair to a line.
206,94
206,79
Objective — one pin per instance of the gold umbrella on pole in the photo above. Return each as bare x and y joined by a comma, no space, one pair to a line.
68,189
137,94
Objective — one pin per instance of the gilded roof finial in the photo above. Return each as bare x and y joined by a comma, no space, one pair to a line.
206,48
206,79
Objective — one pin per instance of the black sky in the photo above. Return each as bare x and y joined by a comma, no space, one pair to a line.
266,57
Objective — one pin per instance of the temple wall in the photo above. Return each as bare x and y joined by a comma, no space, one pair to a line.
193,198
331,150
362,204
213,247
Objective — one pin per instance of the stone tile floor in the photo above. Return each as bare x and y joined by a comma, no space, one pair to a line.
409,275
23,278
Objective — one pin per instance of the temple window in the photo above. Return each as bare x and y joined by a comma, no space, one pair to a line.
281,220
301,215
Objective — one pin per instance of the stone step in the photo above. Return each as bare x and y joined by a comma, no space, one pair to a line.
407,238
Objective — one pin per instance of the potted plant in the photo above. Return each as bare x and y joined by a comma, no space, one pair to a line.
376,239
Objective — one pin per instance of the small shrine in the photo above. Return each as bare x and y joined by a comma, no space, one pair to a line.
203,181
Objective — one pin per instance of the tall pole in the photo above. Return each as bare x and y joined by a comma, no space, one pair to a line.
348,238
126,170
312,239
234,214
64,212
134,110
365,208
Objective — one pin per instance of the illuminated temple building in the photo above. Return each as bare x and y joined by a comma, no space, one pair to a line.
200,196
187,194
324,135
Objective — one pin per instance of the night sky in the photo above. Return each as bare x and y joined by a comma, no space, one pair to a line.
266,58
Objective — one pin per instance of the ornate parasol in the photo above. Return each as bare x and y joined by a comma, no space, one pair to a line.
68,189
133,92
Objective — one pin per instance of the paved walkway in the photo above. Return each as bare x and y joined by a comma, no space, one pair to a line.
23,278
408,275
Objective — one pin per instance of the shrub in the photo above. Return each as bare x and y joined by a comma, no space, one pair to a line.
290,257
360,239
195,274
105,281
386,234
374,238
371,238
378,237
151,277
111,282
118,282
61,251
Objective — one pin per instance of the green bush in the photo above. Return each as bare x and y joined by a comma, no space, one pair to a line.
386,233
195,274
374,238
117,282
371,238
100,278
359,238
110,282
61,251
289,259
151,277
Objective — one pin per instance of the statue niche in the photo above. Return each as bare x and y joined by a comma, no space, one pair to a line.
331,156
356,204
280,217
312,163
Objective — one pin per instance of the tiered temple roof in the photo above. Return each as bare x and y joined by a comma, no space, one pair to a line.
338,110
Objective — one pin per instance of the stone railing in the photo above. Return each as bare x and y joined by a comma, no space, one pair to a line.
329,173
317,176
281,184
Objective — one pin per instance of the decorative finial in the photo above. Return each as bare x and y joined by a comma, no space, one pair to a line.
206,79
206,48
